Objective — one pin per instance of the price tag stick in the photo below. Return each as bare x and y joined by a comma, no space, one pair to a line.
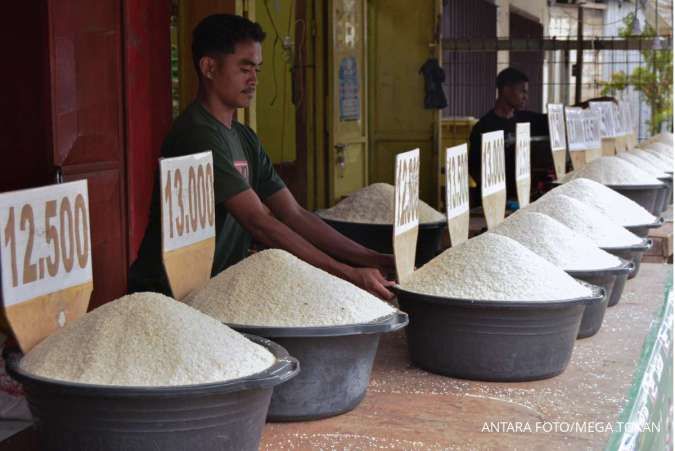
457,193
577,137
406,221
607,126
45,250
608,147
523,170
558,138
493,178
188,221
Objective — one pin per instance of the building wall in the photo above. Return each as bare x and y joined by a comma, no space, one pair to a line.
625,60
559,78
469,76
534,9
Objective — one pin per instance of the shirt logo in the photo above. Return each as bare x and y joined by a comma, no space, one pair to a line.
242,167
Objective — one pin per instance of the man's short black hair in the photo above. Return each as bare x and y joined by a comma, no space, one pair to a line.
509,77
219,33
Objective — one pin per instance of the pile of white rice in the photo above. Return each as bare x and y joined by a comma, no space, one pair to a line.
146,339
374,204
662,155
650,167
556,242
617,207
494,267
274,288
584,219
612,171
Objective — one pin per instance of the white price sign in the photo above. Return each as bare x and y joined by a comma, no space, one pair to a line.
493,178
627,116
576,138
188,210
556,127
522,150
406,198
607,118
620,124
456,180
591,121
45,244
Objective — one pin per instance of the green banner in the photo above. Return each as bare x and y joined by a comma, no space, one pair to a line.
646,422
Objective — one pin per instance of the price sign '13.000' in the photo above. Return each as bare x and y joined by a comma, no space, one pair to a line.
187,200
493,167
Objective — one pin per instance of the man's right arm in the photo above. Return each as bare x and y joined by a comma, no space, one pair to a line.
252,214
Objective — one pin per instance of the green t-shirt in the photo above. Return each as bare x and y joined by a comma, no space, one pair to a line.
239,162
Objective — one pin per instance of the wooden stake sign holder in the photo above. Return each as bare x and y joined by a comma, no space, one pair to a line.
558,138
606,111
457,193
621,144
493,178
188,221
608,147
45,260
406,220
523,170
576,137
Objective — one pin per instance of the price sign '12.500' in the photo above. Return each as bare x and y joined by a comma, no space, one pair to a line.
45,260
45,241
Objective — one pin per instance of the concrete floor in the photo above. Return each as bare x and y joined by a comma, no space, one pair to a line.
407,408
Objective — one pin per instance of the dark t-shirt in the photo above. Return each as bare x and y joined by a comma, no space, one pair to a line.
492,122
239,162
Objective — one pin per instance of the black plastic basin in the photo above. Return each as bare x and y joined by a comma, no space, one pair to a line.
649,196
642,230
336,364
492,340
633,253
606,279
667,197
379,237
222,415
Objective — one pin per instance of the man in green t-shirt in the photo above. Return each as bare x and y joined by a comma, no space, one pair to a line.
251,200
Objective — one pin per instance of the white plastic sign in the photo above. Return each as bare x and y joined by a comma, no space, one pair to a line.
493,178
576,138
522,151
556,127
627,117
188,210
523,179
591,121
45,244
456,180
607,118
406,198
620,124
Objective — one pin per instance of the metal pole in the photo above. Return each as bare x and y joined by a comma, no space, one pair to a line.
580,53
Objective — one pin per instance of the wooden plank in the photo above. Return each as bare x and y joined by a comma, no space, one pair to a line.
189,267
523,167
457,193
558,137
45,259
188,220
493,178
33,320
406,220
608,147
